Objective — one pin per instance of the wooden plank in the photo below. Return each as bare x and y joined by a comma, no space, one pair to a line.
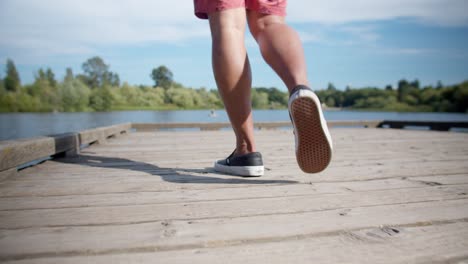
412,140
151,177
441,243
140,180
366,152
225,208
156,162
287,146
346,133
101,134
130,194
17,152
173,235
70,169
435,125
151,194
8,174
286,164
257,125
354,123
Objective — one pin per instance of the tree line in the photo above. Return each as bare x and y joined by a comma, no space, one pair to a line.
407,96
99,89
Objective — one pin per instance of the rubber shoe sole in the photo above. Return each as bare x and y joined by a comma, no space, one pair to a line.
248,171
250,164
313,141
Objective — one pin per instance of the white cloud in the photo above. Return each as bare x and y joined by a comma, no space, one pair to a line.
54,27
307,36
64,26
407,51
364,33
441,12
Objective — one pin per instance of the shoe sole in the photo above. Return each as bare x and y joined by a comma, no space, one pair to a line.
313,141
250,171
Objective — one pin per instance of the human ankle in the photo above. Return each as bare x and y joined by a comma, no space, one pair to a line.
299,87
243,149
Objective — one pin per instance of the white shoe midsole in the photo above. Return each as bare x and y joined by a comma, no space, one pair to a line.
323,122
240,170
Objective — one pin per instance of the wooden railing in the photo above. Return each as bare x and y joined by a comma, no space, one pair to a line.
15,154
432,125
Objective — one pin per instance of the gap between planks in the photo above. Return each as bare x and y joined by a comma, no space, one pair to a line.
233,208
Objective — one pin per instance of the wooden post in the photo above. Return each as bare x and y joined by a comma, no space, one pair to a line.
66,145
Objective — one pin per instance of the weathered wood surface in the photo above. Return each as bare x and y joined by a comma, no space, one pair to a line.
101,134
14,153
389,196
432,125
258,125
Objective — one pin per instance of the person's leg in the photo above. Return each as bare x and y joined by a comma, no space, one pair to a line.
232,73
282,50
280,47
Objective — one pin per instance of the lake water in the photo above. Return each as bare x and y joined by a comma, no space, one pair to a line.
24,125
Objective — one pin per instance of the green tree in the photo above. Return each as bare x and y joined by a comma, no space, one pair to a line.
45,89
12,80
47,76
162,77
181,97
402,89
112,79
330,102
2,86
154,97
259,99
414,84
331,87
74,95
50,76
8,102
211,98
27,103
276,98
40,76
101,99
460,97
69,74
97,73
95,69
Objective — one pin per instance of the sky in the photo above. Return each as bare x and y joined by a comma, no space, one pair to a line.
348,43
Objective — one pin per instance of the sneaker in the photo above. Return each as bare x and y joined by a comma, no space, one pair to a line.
250,164
313,141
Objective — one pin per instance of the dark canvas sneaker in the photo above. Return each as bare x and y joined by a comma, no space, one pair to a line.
244,165
313,140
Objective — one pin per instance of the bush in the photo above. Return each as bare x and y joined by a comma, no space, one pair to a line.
101,99
74,96
182,98
259,99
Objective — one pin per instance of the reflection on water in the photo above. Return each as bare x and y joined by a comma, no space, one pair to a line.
23,125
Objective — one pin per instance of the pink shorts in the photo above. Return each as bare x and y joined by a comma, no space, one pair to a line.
270,7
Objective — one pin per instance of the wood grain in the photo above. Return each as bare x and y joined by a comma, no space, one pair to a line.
389,196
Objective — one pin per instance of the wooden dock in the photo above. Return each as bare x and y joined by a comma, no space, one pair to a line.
389,196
